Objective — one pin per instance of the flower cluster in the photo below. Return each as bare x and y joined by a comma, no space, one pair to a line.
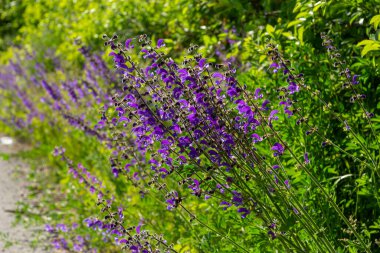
194,113
64,237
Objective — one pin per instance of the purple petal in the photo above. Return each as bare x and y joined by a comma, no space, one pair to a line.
160,43
217,75
138,229
202,62
128,44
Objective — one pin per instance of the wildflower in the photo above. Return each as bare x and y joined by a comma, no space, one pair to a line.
355,80
275,67
244,212
306,158
160,43
49,228
173,201
195,187
256,138
272,116
286,182
225,204
272,234
278,149
257,94
346,126
128,44
237,198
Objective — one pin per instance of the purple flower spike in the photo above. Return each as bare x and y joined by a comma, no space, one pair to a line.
278,149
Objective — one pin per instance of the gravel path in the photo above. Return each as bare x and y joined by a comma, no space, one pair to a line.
13,238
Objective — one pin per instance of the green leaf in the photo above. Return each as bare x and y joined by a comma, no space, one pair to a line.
288,35
357,15
269,29
262,58
375,20
295,22
302,14
364,42
318,5
300,34
370,47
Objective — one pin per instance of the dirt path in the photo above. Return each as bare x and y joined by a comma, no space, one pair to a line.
13,238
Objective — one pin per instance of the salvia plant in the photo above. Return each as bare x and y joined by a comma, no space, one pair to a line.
177,130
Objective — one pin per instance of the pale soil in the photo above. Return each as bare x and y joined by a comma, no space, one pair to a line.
14,238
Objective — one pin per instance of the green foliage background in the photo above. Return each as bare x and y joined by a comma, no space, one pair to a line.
53,26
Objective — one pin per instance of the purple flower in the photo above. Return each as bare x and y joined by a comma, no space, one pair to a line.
58,151
160,43
256,138
244,212
275,67
286,182
355,80
272,115
138,228
293,87
278,149
288,112
232,92
115,172
128,44
257,94
346,126
306,158
195,187
123,241
272,234
225,204
237,199
77,247
264,106
62,227
172,201
202,63
49,228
